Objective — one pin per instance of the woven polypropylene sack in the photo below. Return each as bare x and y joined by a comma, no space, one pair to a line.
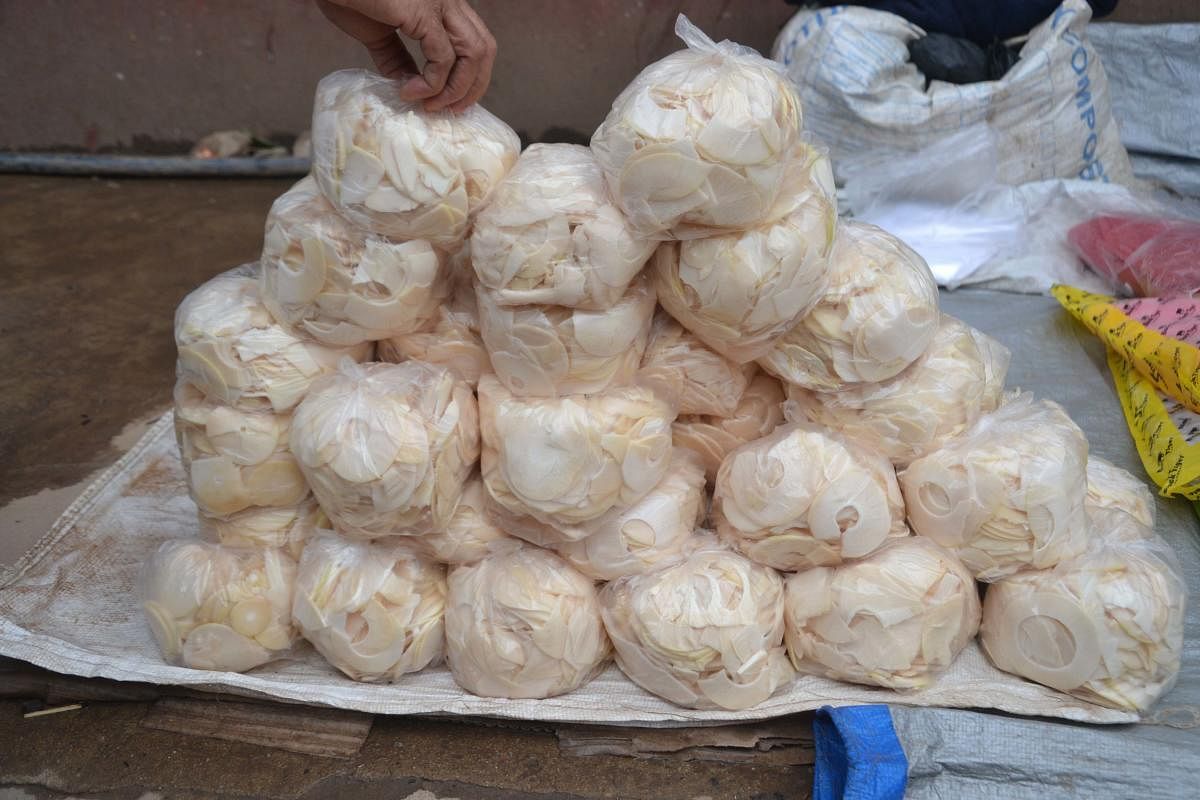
1051,114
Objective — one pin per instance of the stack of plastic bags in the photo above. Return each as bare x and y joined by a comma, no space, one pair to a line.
1154,356
643,401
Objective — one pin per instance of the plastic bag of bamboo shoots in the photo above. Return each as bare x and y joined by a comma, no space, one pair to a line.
339,284
392,168
219,608
570,460
805,496
523,623
740,292
387,448
552,236
549,351
233,350
1009,494
235,459
701,141
895,618
959,378
705,632
758,412
1106,626
878,315
374,610
657,528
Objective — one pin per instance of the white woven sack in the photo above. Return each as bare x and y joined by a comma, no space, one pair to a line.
1051,113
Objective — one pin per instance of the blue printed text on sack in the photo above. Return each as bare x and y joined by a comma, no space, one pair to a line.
1093,167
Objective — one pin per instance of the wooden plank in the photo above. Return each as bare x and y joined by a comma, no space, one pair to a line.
338,734
328,732
19,680
783,741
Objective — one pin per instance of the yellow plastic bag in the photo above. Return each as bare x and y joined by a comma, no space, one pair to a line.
1159,336
1154,355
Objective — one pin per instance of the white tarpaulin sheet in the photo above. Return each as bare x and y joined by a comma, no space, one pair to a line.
70,605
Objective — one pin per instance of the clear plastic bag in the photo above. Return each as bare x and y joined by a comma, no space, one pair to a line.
1008,494
706,632
959,378
339,284
552,236
394,169
452,339
234,459
942,200
1116,525
701,141
739,292
895,618
219,608
520,524
758,412
570,460
288,527
804,497
654,530
523,624
374,610
235,352
471,533
550,351
879,315
1152,256
695,379
387,448
1106,627
1110,487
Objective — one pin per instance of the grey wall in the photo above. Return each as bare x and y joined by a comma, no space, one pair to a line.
154,75
157,74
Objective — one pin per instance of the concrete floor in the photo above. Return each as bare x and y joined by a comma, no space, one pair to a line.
93,271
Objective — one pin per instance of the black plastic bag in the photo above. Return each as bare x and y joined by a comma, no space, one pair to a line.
941,57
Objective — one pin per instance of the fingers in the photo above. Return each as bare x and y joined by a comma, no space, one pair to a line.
427,28
356,24
389,54
392,58
468,47
458,48
473,70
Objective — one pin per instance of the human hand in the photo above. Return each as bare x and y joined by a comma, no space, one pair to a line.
458,48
